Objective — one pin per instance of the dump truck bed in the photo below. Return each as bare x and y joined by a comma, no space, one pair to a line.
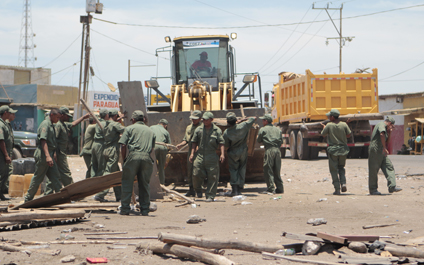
309,97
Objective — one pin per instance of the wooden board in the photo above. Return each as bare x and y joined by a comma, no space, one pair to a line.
132,98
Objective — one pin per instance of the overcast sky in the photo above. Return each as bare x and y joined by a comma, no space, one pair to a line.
390,41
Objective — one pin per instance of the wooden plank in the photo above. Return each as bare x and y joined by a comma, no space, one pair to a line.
360,237
274,256
302,237
332,238
87,205
132,98
405,251
380,225
91,113
34,215
122,238
178,194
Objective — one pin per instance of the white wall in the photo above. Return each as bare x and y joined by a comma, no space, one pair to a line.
7,77
390,103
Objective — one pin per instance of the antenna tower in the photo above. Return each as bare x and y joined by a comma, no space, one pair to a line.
26,44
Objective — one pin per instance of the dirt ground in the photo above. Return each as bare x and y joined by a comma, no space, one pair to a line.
305,183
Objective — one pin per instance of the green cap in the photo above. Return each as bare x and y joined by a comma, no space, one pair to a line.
103,112
164,121
12,110
65,111
207,115
113,112
137,115
266,117
231,116
334,113
390,119
197,114
4,109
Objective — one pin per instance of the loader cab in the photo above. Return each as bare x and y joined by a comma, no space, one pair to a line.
205,58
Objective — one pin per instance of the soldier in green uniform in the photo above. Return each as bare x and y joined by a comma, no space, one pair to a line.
162,135
111,152
62,129
98,161
208,137
378,157
88,142
6,147
9,124
195,119
44,162
337,133
139,139
235,138
272,139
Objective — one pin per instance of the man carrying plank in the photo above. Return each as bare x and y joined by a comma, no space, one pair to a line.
162,135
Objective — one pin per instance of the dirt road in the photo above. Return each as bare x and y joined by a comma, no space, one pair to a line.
305,183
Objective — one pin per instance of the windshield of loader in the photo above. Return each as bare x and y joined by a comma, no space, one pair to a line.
202,59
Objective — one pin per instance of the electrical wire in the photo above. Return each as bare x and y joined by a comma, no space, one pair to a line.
97,67
402,72
252,26
63,51
273,56
129,45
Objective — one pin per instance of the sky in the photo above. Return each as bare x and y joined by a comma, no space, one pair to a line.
273,36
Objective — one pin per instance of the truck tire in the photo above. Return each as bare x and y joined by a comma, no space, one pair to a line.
302,147
16,154
293,144
283,152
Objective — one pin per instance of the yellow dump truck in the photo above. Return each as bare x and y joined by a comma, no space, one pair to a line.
300,104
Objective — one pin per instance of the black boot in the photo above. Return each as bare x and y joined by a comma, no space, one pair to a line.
234,190
3,198
238,190
190,192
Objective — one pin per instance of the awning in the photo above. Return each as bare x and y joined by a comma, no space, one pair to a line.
404,112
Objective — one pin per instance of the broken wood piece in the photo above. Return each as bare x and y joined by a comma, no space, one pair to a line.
67,242
301,237
105,233
333,238
275,256
214,251
177,193
182,204
217,243
122,238
374,226
91,113
34,215
8,247
185,252
87,205
360,237
404,251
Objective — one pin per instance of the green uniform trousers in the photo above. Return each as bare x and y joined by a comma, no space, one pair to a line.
42,169
237,161
6,189
98,162
4,172
190,168
111,156
337,170
161,152
87,160
206,168
64,172
138,164
376,161
272,167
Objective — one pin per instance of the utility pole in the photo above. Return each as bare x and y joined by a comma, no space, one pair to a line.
342,40
26,44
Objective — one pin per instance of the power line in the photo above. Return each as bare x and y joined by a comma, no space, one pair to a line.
63,51
402,72
128,45
252,26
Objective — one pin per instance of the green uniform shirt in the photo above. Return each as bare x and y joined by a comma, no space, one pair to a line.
138,138
88,139
336,137
236,136
207,140
62,129
6,135
11,135
376,144
113,131
270,136
99,135
189,133
46,132
162,135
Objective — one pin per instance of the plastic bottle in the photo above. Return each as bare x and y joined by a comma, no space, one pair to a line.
239,198
66,236
286,252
